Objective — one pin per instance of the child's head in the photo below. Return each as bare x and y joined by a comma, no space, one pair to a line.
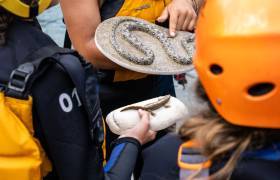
237,61
18,8
217,137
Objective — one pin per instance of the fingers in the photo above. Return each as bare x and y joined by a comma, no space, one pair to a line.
145,125
181,20
164,16
144,120
184,22
182,16
173,23
187,21
192,24
152,135
143,114
141,131
190,21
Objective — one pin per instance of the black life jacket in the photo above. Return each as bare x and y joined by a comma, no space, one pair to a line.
66,113
258,164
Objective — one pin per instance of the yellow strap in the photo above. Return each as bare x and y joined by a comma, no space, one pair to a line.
20,9
104,143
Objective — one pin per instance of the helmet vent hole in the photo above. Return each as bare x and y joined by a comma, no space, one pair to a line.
216,69
261,89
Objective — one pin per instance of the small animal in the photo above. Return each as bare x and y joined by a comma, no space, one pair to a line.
161,102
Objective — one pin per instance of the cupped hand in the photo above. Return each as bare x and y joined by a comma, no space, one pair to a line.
141,131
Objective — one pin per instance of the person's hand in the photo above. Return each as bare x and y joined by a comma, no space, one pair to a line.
141,131
181,14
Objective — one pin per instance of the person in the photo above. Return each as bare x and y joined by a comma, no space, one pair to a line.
238,136
82,26
119,86
60,123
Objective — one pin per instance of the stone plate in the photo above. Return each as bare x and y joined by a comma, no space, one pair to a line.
162,63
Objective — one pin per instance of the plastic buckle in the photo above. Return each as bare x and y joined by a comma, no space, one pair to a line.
2,88
190,158
20,76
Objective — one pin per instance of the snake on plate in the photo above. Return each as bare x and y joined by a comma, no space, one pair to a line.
126,26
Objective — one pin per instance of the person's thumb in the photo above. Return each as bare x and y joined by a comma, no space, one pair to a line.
144,122
164,16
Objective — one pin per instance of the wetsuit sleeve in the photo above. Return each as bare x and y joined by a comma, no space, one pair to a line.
122,160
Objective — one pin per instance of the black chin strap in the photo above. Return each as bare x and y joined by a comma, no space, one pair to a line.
34,9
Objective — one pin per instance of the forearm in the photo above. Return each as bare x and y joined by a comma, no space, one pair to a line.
91,53
122,160
81,25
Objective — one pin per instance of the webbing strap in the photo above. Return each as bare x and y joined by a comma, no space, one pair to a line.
193,159
23,77
192,162
67,40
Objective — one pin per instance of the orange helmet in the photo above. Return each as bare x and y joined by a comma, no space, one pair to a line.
238,60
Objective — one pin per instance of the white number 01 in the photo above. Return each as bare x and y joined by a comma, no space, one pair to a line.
66,103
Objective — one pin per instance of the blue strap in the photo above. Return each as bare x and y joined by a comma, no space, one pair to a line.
114,157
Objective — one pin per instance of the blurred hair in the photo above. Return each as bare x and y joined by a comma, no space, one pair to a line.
219,139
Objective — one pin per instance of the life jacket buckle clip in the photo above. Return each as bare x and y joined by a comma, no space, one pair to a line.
20,76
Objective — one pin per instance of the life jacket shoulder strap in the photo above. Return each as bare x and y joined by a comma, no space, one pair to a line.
191,161
23,77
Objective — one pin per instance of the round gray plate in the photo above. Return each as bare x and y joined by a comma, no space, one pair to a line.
162,63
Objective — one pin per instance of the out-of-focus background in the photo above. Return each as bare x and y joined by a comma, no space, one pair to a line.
52,24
